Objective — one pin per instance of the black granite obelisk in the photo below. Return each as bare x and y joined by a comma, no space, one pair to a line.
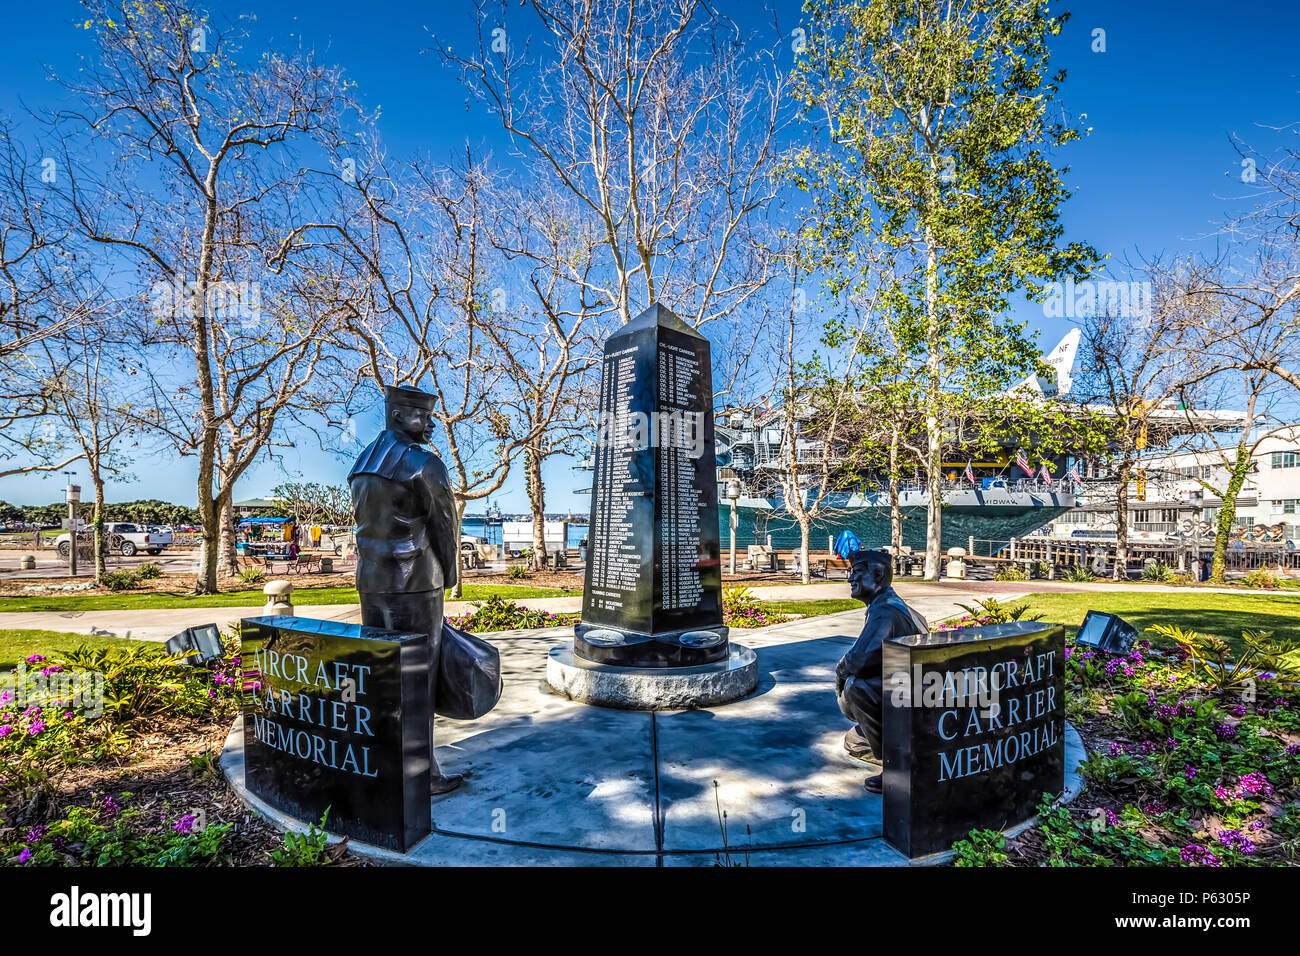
653,595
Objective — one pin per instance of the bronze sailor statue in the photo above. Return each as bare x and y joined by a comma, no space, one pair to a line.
859,679
406,536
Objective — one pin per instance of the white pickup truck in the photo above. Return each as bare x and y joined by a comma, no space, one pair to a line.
123,538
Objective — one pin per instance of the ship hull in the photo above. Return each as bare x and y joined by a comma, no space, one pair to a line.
988,516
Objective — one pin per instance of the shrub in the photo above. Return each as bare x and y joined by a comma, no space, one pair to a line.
980,848
1260,578
1184,580
119,580
304,849
1207,658
516,571
148,571
993,611
498,614
1078,574
741,609
1156,571
1010,572
252,575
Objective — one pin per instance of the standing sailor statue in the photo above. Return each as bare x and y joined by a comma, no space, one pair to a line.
407,551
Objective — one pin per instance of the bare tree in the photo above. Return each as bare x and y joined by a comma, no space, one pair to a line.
201,201
662,129
32,247
549,346
1132,363
89,381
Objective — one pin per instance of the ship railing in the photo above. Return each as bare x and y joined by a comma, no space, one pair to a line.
1059,486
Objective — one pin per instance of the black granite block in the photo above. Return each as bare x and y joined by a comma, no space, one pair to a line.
974,731
337,716
653,594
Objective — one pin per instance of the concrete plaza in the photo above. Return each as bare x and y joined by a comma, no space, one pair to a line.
561,783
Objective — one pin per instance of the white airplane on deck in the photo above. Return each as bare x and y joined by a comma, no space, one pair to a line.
1061,359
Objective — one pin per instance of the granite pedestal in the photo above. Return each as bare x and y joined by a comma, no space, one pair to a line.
652,688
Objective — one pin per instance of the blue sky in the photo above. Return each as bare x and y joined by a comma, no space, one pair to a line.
1157,174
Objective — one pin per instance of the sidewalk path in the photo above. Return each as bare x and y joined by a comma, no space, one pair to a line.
935,600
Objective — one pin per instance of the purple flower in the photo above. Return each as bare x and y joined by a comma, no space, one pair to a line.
1292,750
1224,793
37,833
6,696
52,669
35,659
1117,748
25,855
1196,854
1147,746
1225,731
110,806
6,730
1111,818
37,727
1255,783
1237,710
1189,771
185,824
1235,839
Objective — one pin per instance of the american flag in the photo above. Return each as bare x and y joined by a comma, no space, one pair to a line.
1074,475
970,474
1023,463
1046,475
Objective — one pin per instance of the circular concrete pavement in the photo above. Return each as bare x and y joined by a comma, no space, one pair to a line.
555,782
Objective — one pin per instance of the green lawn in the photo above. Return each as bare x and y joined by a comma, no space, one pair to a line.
1223,615
18,645
812,608
126,601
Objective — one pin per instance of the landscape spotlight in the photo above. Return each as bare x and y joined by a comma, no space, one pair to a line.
205,639
1106,632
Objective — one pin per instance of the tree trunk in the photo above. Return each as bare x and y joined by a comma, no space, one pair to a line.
805,528
98,542
460,515
208,506
228,554
537,499
895,510
1120,571
1227,514
933,423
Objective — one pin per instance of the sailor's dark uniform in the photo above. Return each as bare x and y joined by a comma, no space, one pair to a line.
406,542
861,698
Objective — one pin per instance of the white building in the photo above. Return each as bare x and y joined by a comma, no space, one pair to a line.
1166,497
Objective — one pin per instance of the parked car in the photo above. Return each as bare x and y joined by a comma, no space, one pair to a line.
122,538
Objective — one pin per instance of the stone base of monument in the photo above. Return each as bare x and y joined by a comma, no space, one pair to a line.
652,688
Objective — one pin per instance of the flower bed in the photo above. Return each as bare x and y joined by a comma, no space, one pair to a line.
1187,766
108,758
499,614
741,609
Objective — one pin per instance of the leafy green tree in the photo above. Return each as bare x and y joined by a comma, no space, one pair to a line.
939,116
